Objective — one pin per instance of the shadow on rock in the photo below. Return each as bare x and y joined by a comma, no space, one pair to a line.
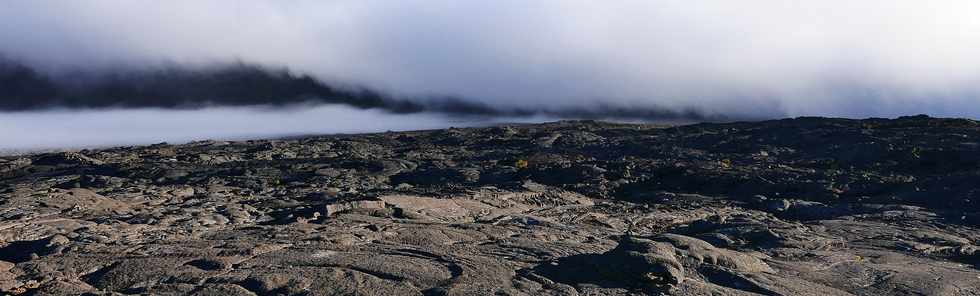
21,251
657,264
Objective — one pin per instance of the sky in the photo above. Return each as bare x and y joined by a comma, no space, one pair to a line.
734,59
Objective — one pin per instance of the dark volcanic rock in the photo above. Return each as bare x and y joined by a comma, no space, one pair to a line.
805,206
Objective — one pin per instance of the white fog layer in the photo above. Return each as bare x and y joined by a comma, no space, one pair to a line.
27,131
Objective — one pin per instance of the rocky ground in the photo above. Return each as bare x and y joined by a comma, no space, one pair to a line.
807,206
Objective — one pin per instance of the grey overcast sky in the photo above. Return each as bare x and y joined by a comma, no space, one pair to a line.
768,58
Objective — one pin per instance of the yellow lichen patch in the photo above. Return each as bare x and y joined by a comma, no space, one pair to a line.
521,164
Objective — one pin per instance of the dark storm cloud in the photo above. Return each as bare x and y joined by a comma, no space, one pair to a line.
705,59
23,88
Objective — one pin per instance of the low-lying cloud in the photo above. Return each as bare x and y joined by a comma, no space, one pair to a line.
60,129
715,59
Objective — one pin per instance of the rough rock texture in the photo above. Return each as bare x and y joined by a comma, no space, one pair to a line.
806,206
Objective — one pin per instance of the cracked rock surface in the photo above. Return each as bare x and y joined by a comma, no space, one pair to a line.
806,206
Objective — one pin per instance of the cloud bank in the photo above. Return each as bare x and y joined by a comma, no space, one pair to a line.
740,59
61,129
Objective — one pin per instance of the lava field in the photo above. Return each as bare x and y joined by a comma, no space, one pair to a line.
804,206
